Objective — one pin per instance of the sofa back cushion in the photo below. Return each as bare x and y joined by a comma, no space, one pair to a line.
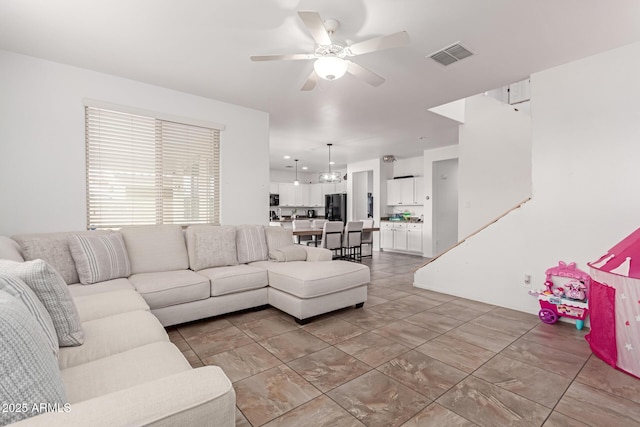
54,294
29,371
278,237
10,249
154,248
54,249
251,243
211,246
99,257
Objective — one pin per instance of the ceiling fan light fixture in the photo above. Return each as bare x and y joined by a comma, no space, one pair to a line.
330,67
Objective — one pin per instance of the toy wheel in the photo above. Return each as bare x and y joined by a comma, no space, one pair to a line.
548,316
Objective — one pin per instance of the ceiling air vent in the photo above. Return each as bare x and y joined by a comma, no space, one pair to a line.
451,54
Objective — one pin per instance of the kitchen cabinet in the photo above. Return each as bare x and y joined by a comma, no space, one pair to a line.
274,188
401,236
316,195
414,237
404,191
301,195
287,194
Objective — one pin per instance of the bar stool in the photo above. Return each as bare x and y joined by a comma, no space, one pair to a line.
367,237
352,241
302,224
332,237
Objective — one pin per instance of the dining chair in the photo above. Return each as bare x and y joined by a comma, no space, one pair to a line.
302,224
332,237
367,237
352,241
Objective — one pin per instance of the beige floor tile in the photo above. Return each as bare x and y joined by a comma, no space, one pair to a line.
473,305
450,309
437,415
495,321
333,330
482,337
293,345
434,321
406,334
489,406
206,325
320,412
372,349
377,400
598,408
243,362
556,361
560,336
329,368
271,393
209,343
435,296
598,374
366,318
426,375
456,353
373,300
539,385
557,419
251,315
260,329
241,421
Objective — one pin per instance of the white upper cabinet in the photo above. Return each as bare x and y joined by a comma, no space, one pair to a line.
404,191
316,196
301,195
274,188
287,194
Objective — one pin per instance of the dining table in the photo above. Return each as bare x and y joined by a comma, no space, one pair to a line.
315,232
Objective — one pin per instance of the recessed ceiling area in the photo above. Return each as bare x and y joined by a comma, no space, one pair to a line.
204,48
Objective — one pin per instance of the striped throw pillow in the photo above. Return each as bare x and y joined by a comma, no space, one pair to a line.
251,243
100,257
20,290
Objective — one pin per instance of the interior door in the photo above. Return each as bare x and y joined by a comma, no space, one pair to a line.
445,204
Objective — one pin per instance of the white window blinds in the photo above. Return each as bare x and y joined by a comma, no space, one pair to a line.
142,170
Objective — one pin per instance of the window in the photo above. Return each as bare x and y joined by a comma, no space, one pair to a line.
144,170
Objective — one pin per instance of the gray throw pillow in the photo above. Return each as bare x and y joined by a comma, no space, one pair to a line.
289,253
29,373
99,257
211,246
20,290
251,243
52,291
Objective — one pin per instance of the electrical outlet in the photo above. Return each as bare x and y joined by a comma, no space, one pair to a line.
527,281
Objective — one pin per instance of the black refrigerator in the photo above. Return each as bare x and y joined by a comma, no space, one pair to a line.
335,207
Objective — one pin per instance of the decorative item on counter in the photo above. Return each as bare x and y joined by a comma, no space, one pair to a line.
569,300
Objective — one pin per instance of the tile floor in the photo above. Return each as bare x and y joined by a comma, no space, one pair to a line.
410,357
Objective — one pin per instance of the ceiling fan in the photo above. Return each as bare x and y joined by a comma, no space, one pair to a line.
330,58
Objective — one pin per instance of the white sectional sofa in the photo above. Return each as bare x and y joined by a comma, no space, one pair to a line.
138,280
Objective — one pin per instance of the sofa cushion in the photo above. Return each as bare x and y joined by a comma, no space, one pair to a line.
170,287
112,335
251,243
211,246
78,290
237,278
99,257
105,304
306,279
54,249
28,370
20,290
52,291
10,249
288,253
278,237
123,370
154,248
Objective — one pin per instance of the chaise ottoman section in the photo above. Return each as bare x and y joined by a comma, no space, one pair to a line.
305,289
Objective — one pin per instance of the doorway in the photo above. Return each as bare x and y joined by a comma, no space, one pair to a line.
445,204
362,188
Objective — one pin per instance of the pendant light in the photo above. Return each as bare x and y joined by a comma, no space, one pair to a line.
330,176
296,182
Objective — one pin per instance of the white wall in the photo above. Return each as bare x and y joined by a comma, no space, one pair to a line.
585,127
495,162
380,172
42,169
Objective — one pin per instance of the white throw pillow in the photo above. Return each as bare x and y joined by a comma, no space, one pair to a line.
289,253
99,258
211,246
52,291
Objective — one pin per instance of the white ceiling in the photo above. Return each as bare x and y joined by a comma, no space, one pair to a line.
203,47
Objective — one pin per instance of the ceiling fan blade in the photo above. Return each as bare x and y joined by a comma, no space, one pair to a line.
380,43
311,82
315,25
364,73
294,56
